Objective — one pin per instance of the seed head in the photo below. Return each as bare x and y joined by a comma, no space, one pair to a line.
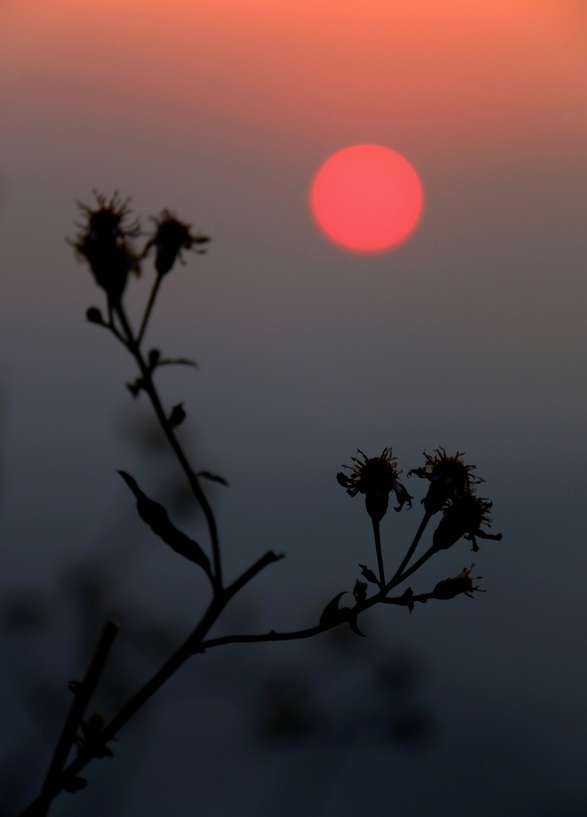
103,243
375,477
448,477
170,238
464,516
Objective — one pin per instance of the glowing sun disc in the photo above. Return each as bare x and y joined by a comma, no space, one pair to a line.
367,198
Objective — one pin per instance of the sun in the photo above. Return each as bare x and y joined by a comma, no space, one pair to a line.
367,198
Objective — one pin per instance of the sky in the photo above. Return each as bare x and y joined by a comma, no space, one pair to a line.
470,335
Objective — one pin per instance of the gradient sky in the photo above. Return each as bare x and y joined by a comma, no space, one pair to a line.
471,335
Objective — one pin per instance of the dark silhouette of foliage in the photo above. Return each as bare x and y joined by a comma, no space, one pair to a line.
105,243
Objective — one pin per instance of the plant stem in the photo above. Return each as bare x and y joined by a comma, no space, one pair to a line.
150,303
377,535
192,645
149,386
417,565
81,697
410,552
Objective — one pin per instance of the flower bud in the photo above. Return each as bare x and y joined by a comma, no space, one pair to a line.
463,583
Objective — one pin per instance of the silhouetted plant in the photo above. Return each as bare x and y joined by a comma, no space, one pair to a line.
106,244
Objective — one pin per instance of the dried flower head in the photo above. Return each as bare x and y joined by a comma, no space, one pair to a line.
103,243
171,237
464,516
375,477
463,583
448,477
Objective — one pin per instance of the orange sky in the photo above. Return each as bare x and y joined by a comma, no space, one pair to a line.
421,73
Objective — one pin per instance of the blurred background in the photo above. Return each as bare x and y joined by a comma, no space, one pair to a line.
470,336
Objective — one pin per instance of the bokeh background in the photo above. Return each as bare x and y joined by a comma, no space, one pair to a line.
470,336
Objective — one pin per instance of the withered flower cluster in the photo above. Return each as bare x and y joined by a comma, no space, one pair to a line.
452,490
104,242
376,477
448,477
170,238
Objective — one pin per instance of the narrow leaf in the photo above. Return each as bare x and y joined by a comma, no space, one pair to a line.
157,519
177,415
213,477
368,574
178,361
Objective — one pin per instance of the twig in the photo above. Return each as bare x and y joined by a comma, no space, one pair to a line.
82,693
150,304
377,535
410,552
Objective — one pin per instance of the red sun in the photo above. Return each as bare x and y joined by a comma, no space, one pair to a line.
367,198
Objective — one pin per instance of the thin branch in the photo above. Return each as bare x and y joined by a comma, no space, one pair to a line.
82,693
81,696
377,535
251,572
416,566
395,580
192,645
150,304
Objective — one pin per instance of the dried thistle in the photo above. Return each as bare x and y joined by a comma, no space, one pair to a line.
103,243
376,477
170,238
448,477
463,517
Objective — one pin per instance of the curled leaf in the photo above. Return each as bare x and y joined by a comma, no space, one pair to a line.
93,315
157,519
135,388
177,415
75,784
368,574
331,613
352,620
